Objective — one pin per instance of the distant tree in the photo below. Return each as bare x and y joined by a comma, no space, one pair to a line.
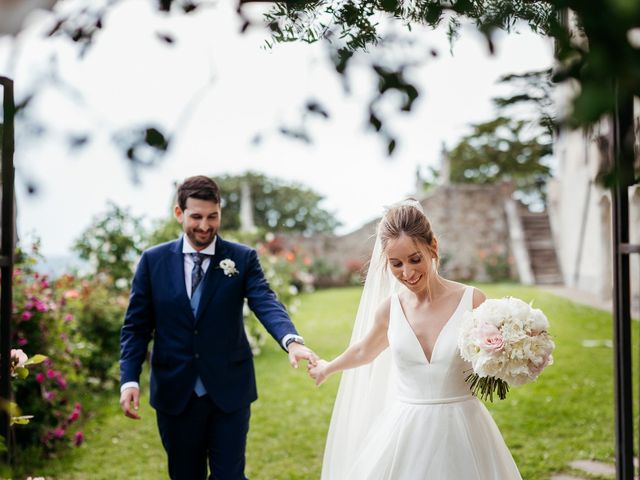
503,150
112,244
278,206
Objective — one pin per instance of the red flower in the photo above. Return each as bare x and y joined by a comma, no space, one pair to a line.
40,377
78,438
74,416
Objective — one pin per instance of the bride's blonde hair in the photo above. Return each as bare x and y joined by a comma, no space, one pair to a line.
409,219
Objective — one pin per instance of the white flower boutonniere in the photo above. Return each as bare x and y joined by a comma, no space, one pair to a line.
228,266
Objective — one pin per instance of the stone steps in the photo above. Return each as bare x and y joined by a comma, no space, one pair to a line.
542,252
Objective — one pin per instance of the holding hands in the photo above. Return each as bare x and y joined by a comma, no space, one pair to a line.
319,372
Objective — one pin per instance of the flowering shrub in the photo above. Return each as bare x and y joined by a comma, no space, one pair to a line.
42,321
496,264
286,270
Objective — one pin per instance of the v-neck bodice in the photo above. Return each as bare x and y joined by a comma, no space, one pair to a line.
418,378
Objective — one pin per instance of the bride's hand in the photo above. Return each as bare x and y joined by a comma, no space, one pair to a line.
318,371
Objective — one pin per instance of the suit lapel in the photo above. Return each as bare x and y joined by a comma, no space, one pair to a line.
176,274
212,277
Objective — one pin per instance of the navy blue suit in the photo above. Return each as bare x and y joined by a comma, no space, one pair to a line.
212,343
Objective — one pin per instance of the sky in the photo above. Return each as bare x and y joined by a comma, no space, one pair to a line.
237,89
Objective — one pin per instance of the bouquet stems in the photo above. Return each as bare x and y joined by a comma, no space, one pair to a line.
485,387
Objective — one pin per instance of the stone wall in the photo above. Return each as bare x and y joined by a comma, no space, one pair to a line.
469,222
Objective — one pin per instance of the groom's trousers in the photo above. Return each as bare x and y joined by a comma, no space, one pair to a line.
203,434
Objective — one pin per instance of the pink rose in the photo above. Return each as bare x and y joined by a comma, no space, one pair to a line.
488,338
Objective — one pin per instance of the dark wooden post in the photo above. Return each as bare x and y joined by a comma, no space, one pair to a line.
623,179
6,249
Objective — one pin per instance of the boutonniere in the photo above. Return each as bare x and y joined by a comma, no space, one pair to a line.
228,267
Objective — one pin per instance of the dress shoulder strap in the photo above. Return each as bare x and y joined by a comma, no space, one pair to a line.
467,298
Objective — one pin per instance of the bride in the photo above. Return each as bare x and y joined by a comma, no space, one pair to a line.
406,413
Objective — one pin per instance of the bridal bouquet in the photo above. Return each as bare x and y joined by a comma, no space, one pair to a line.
507,343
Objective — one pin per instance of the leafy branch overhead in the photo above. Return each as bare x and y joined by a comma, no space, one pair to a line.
597,46
351,26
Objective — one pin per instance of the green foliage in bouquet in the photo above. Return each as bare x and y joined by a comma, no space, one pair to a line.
485,387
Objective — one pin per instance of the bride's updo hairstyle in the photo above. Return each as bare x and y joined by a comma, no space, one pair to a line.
409,219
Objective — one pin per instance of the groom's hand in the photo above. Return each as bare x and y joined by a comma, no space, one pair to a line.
127,397
299,352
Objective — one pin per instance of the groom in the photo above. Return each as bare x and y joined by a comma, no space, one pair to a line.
188,295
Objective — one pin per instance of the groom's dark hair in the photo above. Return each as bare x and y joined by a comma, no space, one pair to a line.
200,187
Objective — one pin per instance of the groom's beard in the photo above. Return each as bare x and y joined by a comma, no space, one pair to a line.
200,238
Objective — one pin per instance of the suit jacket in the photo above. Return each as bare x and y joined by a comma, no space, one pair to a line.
211,344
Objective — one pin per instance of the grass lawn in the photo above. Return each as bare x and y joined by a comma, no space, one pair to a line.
566,415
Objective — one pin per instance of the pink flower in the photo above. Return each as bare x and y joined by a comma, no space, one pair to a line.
488,338
71,294
62,383
78,438
74,416
40,306
40,377
68,317
58,432
18,359
50,396
45,283
26,316
77,407
51,373
22,341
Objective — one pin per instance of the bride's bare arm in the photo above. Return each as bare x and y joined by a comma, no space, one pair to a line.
361,352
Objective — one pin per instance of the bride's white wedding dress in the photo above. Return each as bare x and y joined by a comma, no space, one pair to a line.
433,429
